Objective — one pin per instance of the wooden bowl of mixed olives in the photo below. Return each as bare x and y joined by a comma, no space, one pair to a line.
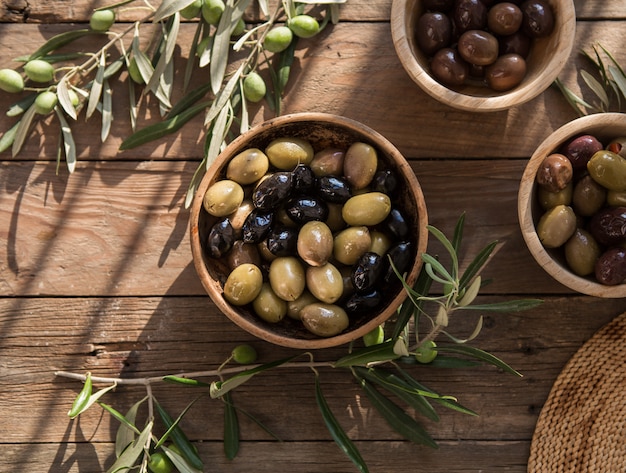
483,55
301,226
572,205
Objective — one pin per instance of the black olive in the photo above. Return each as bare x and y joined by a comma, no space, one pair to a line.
360,302
282,241
385,181
256,226
302,209
367,270
272,191
400,255
221,238
303,178
333,189
397,224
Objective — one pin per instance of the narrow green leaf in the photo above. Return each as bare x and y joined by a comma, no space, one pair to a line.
178,436
409,306
144,65
619,78
396,417
58,41
128,458
191,58
64,98
477,328
457,236
204,53
114,67
264,7
195,182
180,462
133,106
517,305
184,381
158,83
336,431
449,248
189,100
96,88
69,146
477,354
231,428
573,99
125,434
81,400
8,137
22,130
167,9
436,270
364,356
21,106
596,87
477,264
219,131
223,96
107,110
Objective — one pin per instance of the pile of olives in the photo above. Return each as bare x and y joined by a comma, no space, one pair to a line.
481,42
582,190
307,235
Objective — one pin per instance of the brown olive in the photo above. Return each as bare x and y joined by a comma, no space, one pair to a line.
616,198
433,32
538,19
243,284
324,320
328,161
470,15
548,199
449,67
248,166
325,282
507,72
608,226
516,43
242,253
611,267
360,165
478,47
588,197
369,209
315,243
223,197
351,243
269,306
555,172
581,252
287,277
556,226
504,18
335,220
580,149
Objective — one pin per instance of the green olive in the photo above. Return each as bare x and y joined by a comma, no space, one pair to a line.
350,244
45,102
254,88
212,11
374,337
243,284
325,282
11,81
328,162
287,153
192,10
239,28
303,26
616,198
380,242
426,352
549,199
588,197
315,243
368,209
287,277
324,320
223,198
360,165
134,73
248,166
581,252
269,306
335,219
102,20
160,463
278,39
39,70
608,169
244,354
556,226
294,307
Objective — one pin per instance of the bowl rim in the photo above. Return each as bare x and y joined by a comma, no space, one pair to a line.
578,126
213,287
566,25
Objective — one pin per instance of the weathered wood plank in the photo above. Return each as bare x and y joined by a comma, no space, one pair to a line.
90,241
339,73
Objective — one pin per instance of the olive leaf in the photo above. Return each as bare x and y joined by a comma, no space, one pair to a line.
167,9
127,459
178,436
96,88
21,106
80,401
59,41
364,356
127,430
478,354
107,109
22,130
184,381
8,137
231,428
69,145
64,98
180,462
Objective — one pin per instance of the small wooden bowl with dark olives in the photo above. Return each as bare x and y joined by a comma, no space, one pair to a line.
299,226
483,55
572,205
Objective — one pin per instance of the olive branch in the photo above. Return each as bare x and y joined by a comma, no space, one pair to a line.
382,369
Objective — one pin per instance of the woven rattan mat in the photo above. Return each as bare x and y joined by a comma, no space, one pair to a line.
582,426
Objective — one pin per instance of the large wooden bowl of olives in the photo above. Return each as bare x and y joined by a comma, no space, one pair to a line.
572,205
483,55
301,226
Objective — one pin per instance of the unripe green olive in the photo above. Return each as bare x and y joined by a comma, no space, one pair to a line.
11,81
248,166
374,337
325,282
287,153
287,277
254,87
269,306
324,320
360,164
278,39
74,99
243,284
160,463
212,11
192,10
39,70
426,352
303,26
223,197
368,209
45,102
244,354
556,226
102,20
239,28
133,72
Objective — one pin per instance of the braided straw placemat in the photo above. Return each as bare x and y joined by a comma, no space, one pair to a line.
582,426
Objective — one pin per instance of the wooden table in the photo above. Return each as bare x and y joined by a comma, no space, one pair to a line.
96,272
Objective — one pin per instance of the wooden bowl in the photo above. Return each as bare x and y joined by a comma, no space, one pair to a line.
546,59
604,126
322,131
